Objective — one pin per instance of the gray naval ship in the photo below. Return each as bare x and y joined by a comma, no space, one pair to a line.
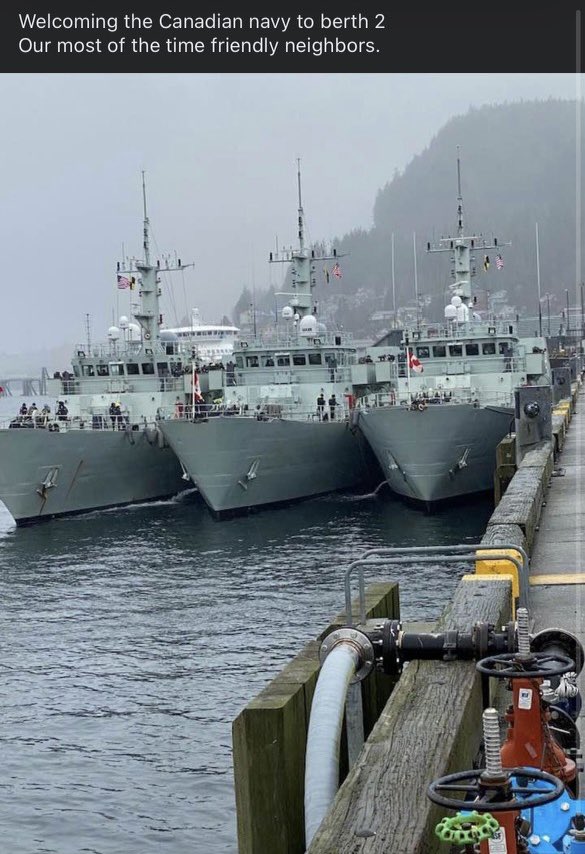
269,440
434,408
104,448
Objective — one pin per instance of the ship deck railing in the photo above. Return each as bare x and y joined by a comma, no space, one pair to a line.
440,366
414,400
295,375
86,421
292,340
116,351
114,385
268,412
462,329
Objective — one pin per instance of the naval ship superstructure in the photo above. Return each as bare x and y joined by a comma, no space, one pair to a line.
434,408
269,440
106,450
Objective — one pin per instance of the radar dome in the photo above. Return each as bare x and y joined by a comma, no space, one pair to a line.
462,313
456,301
123,322
287,312
450,312
308,326
134,331
321,329
113,333
168,335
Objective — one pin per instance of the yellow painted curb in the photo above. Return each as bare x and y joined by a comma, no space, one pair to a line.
558,578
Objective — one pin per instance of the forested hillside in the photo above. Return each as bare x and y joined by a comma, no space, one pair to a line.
518,166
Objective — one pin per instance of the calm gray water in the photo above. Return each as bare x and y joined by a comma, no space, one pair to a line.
132,638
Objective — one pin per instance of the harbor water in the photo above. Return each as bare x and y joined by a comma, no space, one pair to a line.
131,638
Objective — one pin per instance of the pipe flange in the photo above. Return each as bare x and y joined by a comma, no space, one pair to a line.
561,640
359,641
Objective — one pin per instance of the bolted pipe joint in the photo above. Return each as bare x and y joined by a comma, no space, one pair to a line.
355,639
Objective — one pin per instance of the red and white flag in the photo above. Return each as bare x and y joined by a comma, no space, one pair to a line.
414,364
197,396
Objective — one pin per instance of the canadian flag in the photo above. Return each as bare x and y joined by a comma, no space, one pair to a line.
414,364
197,388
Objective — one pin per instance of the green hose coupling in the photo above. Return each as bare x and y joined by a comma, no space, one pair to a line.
467,829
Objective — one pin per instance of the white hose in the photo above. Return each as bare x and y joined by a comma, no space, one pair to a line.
322,756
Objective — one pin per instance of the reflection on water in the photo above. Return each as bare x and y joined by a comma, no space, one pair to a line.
132,638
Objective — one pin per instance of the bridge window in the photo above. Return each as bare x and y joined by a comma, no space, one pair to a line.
132,369
147,368
251,361
76,370
239,362
283,360
267,361
299,359
456,350
504,348
88,370
163,369
315,359
117,369
423,352
472,349
489,348
102,370
439,351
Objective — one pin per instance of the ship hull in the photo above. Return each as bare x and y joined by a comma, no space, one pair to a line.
441,453
240,463
82,470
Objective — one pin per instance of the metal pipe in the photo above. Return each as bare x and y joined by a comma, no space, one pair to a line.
428,554
322,755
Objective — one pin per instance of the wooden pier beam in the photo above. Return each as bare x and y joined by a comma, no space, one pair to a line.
431,726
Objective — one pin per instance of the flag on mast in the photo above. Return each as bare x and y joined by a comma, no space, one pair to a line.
124,282
336,270
197,396
414,364
499,262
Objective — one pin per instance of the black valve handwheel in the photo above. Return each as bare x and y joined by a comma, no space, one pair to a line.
470,782
509,666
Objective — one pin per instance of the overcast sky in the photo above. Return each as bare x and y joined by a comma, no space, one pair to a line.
219,152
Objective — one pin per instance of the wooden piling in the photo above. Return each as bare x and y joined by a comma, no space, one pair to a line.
270,734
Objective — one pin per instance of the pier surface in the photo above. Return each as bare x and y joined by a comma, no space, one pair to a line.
557,572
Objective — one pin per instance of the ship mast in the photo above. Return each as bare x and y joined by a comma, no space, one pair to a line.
462,249
148,314
303,263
